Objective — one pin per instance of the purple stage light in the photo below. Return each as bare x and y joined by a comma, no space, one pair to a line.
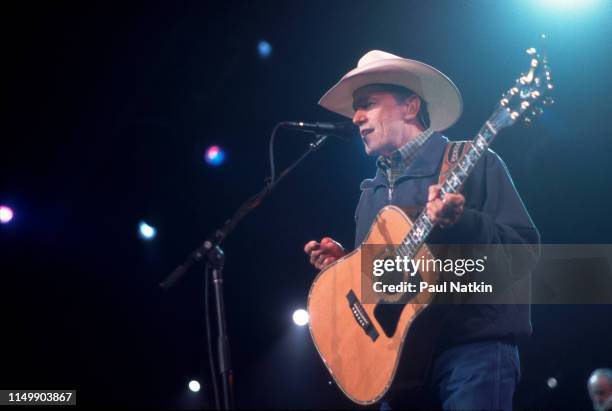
214,156
6,214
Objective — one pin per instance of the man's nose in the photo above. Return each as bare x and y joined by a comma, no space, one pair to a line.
359,118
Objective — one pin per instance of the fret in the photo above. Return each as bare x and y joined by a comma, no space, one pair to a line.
410,250
464,172
467,159
418,231
472,156
403,250
447,188
455,181
481,144
491,128
427,222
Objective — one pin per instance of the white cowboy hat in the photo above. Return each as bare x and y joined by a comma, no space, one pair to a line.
443,99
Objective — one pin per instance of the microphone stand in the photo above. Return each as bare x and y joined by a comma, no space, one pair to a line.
214,259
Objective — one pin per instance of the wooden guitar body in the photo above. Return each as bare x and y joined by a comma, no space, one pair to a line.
364,360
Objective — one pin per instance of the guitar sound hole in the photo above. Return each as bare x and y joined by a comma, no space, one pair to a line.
388,315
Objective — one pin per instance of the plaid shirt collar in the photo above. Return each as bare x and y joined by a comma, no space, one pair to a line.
394,165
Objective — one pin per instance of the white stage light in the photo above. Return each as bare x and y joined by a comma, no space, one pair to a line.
194,386
300,317
146,231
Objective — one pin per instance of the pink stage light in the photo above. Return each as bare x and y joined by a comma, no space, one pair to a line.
214,156
6,214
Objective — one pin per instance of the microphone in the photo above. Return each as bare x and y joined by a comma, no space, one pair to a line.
344,130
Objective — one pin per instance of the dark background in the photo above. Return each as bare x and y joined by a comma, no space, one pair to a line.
109,108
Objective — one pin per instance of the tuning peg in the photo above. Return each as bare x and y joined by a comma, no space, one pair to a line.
548,101
537,111
527,121
531,51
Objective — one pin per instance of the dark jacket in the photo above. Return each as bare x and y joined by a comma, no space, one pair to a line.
493,214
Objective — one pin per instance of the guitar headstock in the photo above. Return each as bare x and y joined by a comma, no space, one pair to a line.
531,91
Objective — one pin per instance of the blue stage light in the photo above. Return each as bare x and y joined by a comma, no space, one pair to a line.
6,214
568,5
264,48
214,156
146,231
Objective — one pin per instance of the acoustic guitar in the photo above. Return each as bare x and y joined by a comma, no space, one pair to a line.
362,348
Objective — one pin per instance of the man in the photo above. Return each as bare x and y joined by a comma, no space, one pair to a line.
600,389
400,106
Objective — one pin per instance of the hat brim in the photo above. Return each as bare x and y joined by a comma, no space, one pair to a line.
443,99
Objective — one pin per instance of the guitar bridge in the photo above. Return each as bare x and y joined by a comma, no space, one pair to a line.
362,318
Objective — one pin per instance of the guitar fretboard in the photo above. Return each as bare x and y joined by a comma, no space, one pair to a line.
453,182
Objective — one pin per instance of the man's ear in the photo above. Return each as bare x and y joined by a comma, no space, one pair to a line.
412,106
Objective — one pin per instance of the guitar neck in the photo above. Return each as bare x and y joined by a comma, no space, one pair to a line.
453,182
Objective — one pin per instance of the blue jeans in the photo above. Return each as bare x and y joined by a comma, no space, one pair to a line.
479,376
476,376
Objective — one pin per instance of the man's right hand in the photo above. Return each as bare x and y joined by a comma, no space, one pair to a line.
324,253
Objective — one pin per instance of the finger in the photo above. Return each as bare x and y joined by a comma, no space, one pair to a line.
445,210
431,211
450,200
332,248
328,261
457,201
454,199
456,209
435,206
314,256
321,259
433,192
311,246
452,216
